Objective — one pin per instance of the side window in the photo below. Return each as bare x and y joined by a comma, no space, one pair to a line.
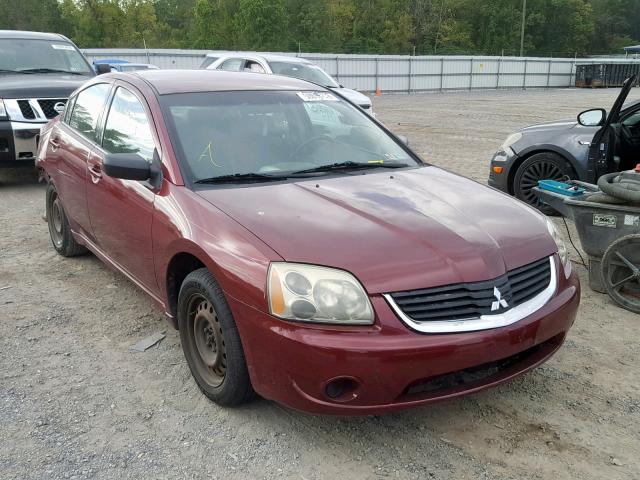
87,108
632,120
127,129
232,65
253,67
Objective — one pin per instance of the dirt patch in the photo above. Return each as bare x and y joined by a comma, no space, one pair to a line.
76,403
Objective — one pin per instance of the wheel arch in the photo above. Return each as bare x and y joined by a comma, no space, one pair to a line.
180,265
528,153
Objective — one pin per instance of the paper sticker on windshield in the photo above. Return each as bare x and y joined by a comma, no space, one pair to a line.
317,97
58,46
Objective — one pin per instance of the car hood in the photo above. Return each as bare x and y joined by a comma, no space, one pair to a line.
394,230
354,96
39,85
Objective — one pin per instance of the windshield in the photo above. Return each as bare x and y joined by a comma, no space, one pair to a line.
274,133
303,71
21,54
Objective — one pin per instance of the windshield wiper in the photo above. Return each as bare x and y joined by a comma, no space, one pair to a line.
241,177
5,70
349,166
47,70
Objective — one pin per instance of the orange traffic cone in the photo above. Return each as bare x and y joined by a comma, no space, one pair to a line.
378,92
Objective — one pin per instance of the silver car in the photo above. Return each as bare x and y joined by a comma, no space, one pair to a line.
282,65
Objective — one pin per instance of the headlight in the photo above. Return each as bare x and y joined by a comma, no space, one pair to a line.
309,293
511,139
3,111
563,252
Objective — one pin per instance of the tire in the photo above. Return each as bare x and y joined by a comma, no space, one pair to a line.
621,272
210,341
59,230
541,166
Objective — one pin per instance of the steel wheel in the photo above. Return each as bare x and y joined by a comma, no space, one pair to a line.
209,340
56,222
621,272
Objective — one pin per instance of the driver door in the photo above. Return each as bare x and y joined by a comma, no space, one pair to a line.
602,152
121,211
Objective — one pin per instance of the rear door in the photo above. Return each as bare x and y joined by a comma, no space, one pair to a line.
602,150
121,211
70,145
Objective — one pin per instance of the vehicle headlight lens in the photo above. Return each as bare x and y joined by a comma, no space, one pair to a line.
511,139
310,293
563,252
3,110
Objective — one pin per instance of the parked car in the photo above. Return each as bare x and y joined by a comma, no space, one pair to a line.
38,71
582,149
124,66
303,250
283,65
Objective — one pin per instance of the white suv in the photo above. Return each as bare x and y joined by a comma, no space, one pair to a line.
282,65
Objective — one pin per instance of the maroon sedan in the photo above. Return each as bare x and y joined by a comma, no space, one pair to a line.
303,251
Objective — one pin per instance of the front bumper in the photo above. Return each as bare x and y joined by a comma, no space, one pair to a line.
19,143
504,161
387,367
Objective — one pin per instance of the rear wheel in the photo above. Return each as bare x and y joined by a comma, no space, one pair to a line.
211,342
59,230
541,166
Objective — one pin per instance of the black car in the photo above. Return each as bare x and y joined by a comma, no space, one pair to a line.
582,149
38,71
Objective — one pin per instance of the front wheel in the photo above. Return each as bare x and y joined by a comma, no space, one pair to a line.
59,229
541,166
211,342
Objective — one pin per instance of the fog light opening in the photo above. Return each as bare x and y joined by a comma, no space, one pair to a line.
341,389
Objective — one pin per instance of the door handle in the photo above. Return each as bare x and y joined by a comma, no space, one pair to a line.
96,171
55,143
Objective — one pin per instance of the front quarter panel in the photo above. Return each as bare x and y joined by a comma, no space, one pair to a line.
573,144
186,223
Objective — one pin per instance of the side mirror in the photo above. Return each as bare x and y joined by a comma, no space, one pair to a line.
592,118
403,139
102,68
126,166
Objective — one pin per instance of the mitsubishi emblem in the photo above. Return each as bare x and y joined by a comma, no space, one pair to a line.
500,302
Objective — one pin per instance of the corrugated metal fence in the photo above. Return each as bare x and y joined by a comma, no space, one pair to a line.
396,73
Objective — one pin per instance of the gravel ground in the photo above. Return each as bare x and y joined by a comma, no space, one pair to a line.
76,403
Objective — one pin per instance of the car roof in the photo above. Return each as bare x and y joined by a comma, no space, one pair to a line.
269,57
167,82
22,34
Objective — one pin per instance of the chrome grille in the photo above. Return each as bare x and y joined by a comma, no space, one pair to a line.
47,106
26,110
473,300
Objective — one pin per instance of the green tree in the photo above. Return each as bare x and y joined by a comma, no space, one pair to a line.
261,24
